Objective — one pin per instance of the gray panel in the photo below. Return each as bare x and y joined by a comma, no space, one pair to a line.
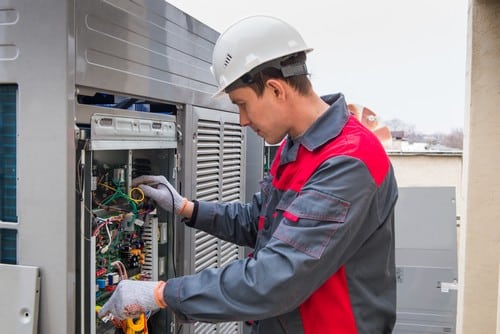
426,257
421,209
145,48
218,172
20,291
119,132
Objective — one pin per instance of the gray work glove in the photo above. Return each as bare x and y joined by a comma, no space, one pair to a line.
161,191
131,298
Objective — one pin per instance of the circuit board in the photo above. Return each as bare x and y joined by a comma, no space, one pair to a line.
123,231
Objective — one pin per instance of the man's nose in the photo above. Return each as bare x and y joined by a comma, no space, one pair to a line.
244,121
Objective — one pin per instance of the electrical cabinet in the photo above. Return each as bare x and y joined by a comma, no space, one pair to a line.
123,235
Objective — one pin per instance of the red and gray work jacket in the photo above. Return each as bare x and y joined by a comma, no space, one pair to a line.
322,233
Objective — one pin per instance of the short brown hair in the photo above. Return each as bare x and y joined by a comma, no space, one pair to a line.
257,81
300,83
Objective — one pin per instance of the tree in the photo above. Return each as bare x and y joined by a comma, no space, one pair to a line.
409,130
455,139
396,124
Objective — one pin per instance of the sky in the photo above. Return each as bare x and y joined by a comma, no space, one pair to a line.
403,59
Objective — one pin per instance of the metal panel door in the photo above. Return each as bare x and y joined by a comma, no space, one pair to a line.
20,291
215,167
426,260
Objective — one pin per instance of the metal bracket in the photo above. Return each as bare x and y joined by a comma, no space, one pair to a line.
447,286
177,165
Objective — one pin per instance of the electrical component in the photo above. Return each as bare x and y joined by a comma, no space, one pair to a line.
122,225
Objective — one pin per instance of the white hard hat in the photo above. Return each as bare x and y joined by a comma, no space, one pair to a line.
251,42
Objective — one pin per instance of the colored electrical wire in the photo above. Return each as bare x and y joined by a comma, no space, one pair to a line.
136,200
106,248
122,271
120,194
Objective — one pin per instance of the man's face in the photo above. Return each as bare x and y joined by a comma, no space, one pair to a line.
263,114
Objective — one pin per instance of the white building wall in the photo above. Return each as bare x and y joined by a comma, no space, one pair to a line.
430,170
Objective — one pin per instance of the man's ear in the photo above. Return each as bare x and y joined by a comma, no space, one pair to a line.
277,87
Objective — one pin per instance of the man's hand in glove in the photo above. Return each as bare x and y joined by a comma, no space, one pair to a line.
131,298
162,192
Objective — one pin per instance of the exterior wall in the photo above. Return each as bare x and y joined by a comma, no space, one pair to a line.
429,170
480,238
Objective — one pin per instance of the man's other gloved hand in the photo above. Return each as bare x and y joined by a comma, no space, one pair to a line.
161,191
131,298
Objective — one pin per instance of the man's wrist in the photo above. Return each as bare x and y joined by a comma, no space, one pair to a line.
190,219
182,208
158,294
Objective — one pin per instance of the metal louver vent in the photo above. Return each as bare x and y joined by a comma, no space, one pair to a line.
201,327
231,163
221,328
228,327
208,161
206,251
218,178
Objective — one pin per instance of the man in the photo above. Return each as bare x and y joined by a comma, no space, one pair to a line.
322,226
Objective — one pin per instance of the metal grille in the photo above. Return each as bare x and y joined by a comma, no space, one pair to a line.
8,153
221,328
150,235
231,163
228,327
8,174
218,178
208,172
8,246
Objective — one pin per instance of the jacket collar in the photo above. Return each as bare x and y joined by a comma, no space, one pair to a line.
326,127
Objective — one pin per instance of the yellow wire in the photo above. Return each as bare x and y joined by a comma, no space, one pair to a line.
136,200
106,186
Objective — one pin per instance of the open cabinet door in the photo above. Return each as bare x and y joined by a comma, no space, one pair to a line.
217,170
